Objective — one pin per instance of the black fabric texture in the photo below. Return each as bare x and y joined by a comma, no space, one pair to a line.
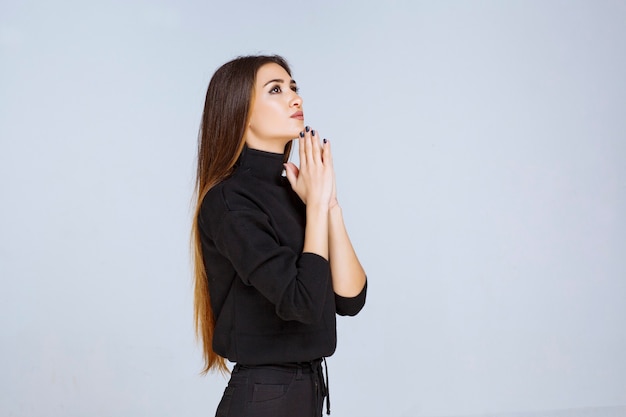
273,391
272,303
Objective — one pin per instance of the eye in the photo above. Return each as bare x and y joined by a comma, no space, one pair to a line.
295,88
275,90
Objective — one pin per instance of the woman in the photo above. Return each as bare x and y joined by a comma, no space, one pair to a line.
273,261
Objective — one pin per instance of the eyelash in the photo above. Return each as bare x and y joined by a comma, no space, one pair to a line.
276,87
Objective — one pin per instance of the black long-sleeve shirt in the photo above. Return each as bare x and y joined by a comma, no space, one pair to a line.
272,303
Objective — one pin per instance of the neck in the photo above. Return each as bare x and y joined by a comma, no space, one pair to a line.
274,146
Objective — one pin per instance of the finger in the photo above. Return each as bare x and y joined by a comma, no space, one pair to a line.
315,146
301,152
290,166
327,153
308,146
291,171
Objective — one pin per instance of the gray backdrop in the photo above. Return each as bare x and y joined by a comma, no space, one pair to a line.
479,148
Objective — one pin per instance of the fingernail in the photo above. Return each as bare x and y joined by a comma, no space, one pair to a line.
301,134
307,128
325,140
313,132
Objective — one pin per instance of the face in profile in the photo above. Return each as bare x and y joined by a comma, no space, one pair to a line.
276,115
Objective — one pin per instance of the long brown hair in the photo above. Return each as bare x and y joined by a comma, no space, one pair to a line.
220,142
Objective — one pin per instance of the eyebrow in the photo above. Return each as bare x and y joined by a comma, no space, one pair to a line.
279,80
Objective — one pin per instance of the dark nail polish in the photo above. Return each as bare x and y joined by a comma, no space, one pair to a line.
307,128
301,134
325,140
313,132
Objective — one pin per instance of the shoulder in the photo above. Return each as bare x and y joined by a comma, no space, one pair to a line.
233,195
238,192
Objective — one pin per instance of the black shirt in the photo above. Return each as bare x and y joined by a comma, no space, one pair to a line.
271,302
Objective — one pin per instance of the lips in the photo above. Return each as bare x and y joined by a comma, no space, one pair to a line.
298,115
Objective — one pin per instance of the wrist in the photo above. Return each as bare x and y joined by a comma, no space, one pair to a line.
335,216
316,208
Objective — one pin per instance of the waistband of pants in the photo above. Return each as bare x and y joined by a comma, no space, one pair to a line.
310,367
304,367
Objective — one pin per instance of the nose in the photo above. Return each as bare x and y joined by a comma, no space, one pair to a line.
296,100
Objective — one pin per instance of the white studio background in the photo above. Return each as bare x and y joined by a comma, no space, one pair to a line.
480,151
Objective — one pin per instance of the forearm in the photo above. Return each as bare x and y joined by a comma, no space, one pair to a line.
316,236
347,273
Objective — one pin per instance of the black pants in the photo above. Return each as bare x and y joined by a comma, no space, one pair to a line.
285,390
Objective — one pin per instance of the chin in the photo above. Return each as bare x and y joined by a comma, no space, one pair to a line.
296,132
299,125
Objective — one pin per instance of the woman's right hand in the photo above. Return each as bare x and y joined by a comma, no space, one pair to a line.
314,180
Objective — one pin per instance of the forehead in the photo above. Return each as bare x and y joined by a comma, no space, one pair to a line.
269,72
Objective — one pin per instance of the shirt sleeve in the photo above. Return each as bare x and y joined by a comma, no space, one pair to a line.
296,283
350,306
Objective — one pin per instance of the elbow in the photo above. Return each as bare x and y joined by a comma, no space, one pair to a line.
306,296
351,306
349,311
302,306
306,314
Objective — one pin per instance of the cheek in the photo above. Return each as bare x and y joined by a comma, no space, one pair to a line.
266,115
262,123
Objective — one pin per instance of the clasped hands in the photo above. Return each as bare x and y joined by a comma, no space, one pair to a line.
314,180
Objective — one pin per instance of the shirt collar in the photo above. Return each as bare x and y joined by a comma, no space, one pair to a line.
261,164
